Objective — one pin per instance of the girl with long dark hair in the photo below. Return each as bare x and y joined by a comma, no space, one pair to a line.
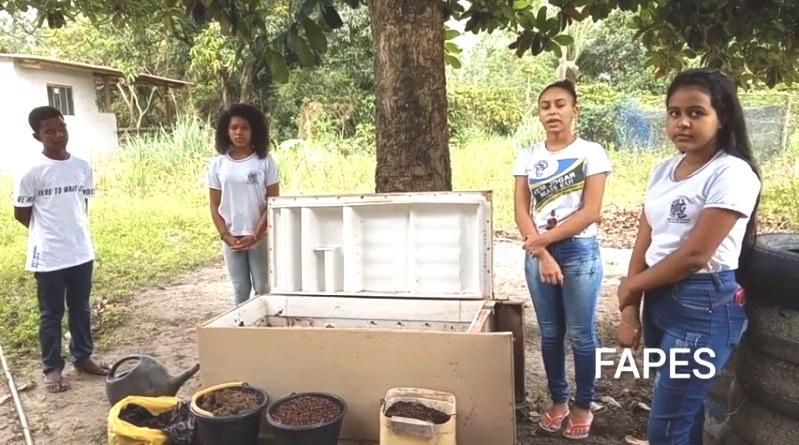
696,227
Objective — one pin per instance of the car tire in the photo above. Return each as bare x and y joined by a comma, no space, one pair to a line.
774,331
770,382
770,272
758,425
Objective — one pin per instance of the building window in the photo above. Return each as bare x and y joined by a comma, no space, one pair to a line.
60,97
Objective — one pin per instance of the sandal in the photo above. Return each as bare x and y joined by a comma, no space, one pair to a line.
55,382
552,423
585,427
89,366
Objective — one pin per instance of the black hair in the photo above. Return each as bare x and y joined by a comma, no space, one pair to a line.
564,85
260,130
732,136
38,114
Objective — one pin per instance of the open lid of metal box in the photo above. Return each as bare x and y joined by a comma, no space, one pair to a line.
404,245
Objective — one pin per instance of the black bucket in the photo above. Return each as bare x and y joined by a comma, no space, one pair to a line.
239,429
325,433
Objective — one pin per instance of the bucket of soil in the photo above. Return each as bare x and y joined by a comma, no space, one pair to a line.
229,413
417,416
309,418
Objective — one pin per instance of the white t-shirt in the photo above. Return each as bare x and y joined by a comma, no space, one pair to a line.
556,180
58,235
673,207
243,184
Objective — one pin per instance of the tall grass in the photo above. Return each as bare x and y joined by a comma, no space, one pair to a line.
150,220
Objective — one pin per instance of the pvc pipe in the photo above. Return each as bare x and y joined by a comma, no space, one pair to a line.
17,404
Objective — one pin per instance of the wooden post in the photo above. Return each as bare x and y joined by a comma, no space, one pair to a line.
510,318
786,124
170,115
107,95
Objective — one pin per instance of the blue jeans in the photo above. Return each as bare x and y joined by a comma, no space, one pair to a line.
247,269
571,308
73,285
697,312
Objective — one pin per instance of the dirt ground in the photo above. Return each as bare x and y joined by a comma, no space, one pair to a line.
161,321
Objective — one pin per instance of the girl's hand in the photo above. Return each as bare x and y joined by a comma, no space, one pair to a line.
626,295
535,246
628,331
245,242
549,270
229,239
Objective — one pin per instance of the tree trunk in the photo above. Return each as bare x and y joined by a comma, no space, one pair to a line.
225,93
411,96
247,78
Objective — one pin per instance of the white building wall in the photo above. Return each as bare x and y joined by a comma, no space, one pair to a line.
24,88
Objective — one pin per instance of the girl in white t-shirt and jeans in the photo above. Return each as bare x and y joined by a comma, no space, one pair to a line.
558,199
698,218
240,179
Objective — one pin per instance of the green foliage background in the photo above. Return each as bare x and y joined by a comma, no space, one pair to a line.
322,127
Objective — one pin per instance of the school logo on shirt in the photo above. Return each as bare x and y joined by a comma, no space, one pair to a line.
677,210
540,167
566,177
252,177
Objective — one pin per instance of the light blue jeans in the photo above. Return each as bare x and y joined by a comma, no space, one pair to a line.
696,312
570,307
247,269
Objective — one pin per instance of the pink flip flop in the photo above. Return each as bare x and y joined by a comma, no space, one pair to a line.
552,423
568,432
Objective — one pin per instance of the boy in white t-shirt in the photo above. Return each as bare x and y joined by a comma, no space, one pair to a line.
51,200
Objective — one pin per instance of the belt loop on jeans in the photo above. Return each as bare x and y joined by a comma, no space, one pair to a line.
717,280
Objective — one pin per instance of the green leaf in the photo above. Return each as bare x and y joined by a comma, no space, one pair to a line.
315,35
535,46
452,61
450,34
277,66
523,43
554,48
331,17
303,51
541,19
320,21
564,39
452,48
521,4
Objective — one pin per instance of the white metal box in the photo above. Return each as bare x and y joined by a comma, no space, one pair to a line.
371,292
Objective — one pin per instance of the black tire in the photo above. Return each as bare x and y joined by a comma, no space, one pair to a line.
771,272
756,424
728,436
774,331
721,387
770,382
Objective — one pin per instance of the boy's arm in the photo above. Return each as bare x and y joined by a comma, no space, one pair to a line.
23,196
23,215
